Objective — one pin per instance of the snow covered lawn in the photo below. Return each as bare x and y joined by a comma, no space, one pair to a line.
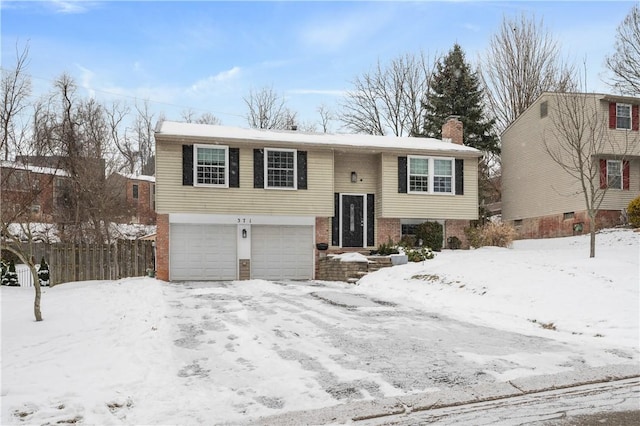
141,351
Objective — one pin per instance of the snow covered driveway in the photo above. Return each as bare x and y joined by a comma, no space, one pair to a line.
142,351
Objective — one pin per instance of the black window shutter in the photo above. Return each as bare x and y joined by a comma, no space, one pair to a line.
335,221
370,219
402,175
234,167
459,177
258,168
302,169
187,165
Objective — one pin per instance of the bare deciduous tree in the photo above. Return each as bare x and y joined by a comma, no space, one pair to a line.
578,140
390,98
268,110
16,88
189,116
522,61
625,62
325,117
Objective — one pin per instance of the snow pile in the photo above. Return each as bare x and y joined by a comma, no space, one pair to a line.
350,257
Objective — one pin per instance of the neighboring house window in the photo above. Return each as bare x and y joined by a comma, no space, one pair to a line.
431,175
211,165
544,109
614,174
623,116
135,191
280,170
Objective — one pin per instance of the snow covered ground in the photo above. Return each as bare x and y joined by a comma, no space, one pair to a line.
141,351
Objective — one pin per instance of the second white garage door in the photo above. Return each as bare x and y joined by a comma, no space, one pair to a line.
281,252
202,252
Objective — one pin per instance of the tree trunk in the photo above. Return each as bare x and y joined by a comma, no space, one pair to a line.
36,285
592,235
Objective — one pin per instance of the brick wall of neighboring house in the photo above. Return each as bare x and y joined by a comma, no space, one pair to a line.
565,225
29,194
323,235
162,247
455,228
143,205
388,229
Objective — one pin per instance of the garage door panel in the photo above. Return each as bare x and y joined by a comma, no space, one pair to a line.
282,252
203,252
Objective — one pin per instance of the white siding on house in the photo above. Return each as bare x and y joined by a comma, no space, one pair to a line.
173,197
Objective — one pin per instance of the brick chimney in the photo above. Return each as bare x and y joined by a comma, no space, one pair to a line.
452,130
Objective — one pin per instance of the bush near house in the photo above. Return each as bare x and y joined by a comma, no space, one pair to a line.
431,234
43,273
633,212
10,277
4,267
498,234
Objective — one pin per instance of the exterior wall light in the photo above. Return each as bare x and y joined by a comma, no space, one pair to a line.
244,233
354,177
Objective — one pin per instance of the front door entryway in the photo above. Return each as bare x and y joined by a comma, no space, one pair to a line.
352,218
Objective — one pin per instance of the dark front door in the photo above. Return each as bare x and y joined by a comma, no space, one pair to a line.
352,220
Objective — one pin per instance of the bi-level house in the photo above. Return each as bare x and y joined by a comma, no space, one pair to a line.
543,200
237,203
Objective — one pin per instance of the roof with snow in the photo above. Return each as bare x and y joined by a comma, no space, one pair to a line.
138,177
328,140
33,169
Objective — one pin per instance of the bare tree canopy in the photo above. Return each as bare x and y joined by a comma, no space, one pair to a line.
625,62
390,98
189,116
16,88
268,110
522,61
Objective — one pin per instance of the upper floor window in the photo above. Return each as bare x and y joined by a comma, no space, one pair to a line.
431,175
623,116
280,170
134,191
211,165
614,174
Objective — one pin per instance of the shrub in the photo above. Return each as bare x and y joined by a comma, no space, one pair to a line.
633,212
387,249
497,234
454,243
43,273
11,276
431,234
418,254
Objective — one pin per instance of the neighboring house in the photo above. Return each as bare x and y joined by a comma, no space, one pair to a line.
540,198
238,203
32,193
140,193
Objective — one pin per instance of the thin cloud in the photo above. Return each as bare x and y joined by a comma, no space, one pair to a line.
213,82
71,7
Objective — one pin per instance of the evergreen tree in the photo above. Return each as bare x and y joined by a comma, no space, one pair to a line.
455,90
43,273
11,276
3,270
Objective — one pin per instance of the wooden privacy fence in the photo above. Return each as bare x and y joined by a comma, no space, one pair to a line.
82,262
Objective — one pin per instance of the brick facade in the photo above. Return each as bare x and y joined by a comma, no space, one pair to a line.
144,205
455,228
388,229
162,247
323,235
565,225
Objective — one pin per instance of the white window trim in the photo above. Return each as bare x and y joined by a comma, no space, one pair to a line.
621,173
431,175
630,116
226,166
266,169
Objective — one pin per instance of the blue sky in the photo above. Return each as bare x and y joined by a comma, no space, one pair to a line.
207,55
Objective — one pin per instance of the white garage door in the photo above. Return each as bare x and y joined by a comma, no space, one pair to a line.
281,252
202,252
